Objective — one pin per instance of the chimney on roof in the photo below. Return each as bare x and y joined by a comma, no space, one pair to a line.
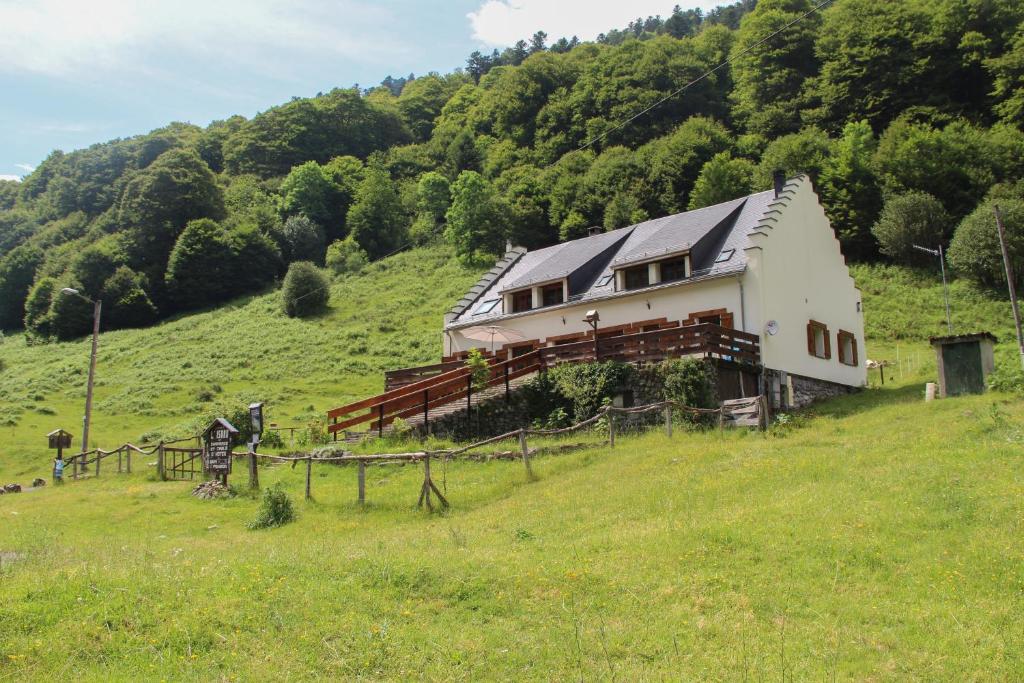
594,230
779,177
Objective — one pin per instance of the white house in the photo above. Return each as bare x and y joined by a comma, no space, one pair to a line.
768,264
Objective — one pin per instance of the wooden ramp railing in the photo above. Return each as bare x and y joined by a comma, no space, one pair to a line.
445,383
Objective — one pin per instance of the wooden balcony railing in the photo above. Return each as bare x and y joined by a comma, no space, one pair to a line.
416,391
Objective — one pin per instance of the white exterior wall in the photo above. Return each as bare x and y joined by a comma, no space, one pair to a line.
671,302
796,273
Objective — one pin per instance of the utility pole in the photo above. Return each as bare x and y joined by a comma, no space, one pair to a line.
1009,280
97,307
945,285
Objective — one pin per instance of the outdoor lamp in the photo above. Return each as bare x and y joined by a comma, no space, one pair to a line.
592,318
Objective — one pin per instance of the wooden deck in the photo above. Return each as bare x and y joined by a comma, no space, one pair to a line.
422,392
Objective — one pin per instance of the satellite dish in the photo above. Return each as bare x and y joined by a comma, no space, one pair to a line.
771,328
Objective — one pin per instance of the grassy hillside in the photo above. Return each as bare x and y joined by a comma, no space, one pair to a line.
876,540
156,381
153,381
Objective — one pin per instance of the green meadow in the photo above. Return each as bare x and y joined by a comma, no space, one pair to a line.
873,537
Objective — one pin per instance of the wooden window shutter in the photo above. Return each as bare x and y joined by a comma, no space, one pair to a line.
810,340
828,344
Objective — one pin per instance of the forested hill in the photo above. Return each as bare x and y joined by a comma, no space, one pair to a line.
907,115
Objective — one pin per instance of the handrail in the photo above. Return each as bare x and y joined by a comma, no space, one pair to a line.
444,388
410,390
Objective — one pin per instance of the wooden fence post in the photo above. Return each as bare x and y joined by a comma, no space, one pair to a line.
362,482
120,455
668,420
128,460
526,453
160,461
309,475
428,486
254,471
611,429
98,458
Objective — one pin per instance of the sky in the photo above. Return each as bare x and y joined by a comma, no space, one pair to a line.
77,72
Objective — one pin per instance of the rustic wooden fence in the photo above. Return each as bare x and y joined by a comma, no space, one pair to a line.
742,412
172,463
181,463
79,464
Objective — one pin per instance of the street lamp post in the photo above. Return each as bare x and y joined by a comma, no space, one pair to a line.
945,286
97,307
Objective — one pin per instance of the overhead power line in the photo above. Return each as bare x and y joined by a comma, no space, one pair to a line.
704,75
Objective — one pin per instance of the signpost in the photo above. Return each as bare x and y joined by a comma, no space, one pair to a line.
217,449
256,417
59,440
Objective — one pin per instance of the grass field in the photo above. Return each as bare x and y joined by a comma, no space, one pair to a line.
878,539
875,537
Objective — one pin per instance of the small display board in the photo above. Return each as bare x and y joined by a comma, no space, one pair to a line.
59,439
217,447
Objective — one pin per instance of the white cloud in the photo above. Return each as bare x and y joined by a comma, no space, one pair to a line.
4,176
27,168
500,23
72,37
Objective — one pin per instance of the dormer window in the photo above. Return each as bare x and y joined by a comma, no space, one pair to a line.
636,277
673,269
551,295
522,300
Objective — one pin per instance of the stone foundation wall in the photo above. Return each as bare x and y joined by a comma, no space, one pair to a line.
796,391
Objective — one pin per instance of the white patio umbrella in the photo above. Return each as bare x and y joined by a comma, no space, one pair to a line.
493,333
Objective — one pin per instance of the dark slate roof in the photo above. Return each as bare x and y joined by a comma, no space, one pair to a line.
715,236
672,234
561,260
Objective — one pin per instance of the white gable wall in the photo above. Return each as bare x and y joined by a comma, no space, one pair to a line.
670,302
796,273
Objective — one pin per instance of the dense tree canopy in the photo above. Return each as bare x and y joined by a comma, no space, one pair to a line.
878,102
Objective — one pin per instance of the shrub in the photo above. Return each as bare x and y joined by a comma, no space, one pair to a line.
1008,377
975,250
908,219
586,385
305,290
346,256
689,382
272,439
478,369
275,510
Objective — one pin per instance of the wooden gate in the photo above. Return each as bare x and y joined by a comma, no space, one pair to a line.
180,464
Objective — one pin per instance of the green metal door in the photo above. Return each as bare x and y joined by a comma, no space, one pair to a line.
962,367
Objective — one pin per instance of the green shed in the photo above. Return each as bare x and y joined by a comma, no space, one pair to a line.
964,362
